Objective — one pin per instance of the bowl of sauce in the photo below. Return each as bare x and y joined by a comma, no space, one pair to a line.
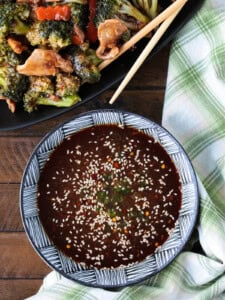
109,198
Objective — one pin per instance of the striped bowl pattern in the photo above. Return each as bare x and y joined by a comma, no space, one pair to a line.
124,276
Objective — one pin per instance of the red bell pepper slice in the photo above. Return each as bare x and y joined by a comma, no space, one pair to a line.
91,29
50,13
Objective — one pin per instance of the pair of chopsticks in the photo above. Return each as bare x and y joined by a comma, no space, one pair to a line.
166,18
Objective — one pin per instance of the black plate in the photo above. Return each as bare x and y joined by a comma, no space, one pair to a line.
111,75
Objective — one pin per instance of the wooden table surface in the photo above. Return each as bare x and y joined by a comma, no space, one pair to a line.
21,269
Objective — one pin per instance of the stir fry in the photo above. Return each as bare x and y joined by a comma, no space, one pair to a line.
48,49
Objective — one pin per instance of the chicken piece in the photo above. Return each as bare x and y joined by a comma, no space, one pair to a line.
109,33
11,104
78,35
45,63
16,46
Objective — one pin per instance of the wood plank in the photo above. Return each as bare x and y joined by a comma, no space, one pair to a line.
18,259
145,103
18,289
13,157
10,219
153,73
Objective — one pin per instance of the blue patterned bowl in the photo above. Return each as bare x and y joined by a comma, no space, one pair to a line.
123,276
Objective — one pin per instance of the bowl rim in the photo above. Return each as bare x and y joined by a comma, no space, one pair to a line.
187,235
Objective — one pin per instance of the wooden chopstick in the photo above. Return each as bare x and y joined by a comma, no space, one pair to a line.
165,14
147,50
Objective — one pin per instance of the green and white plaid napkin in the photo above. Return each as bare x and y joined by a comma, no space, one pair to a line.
194,113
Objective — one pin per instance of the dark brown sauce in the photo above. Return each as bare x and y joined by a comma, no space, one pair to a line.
109,196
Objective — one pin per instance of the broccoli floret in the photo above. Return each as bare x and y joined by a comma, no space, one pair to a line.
12,84
149,7
123,10
8,56
42,84
67,85
33,99
55,34
85,64
92,57
42,92
79,14
40,88
12,18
